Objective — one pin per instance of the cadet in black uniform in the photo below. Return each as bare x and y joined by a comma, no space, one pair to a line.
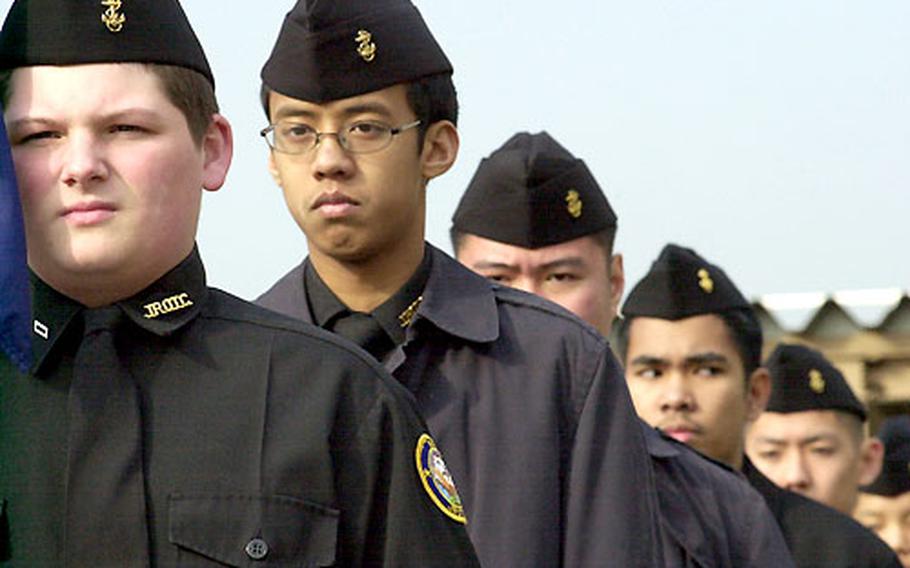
165,423
692,347
884,505
527,403
811,438
532,240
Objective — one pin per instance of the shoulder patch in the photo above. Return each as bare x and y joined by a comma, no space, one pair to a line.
436,479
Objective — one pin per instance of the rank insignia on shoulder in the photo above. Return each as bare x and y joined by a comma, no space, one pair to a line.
168,305
574,204
816,381
112,18
436,479
705,282
366,49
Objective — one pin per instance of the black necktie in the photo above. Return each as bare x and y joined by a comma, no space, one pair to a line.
105,522
366,332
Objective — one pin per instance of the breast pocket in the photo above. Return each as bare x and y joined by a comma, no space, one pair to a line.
251,531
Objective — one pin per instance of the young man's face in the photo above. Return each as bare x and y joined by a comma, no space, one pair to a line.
818,453
353,207
575,274
686,377
889,518
109,175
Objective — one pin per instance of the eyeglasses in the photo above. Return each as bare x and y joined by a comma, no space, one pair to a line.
362,137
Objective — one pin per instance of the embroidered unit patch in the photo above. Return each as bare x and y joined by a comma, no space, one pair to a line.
436,479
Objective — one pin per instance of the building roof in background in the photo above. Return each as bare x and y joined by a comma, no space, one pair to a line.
831,314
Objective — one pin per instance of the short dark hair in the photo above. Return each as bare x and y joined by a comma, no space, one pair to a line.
185,88
741,323
432,98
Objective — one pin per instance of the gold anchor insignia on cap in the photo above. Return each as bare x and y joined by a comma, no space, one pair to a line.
170,304
704,281
407,316
111,17
365,46
816,381
573,203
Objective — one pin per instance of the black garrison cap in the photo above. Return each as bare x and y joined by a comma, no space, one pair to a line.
73,32
682,284
895,476
334,49
533,193
803,379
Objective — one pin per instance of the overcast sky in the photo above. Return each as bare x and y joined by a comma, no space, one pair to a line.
772,136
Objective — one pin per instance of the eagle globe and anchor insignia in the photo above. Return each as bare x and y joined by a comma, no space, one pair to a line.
366,48
112,17
436,479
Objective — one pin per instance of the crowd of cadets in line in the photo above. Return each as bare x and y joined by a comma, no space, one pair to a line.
478,424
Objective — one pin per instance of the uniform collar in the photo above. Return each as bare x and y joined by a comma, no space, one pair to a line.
659,444
324,305
170,303
173,301
455,299
394,315
458,301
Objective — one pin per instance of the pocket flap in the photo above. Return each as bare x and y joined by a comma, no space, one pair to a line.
254,530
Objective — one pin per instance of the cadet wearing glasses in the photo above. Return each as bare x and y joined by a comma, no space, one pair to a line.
526,403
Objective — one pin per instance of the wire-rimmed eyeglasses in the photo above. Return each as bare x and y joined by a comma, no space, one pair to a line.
361,137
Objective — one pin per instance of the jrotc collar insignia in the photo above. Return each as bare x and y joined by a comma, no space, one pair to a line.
168,305
366,49
574,203
173,301
816,381
112,18
407,316
436,479
704,281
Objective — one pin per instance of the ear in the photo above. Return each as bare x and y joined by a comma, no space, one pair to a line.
218,149
617,283
759,390
440,148
273,169
872,454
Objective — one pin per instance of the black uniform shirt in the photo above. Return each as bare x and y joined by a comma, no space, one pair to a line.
393,316
710,515
533,415
253,425
819,536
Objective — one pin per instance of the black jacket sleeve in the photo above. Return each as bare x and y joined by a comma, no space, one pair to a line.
389,516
